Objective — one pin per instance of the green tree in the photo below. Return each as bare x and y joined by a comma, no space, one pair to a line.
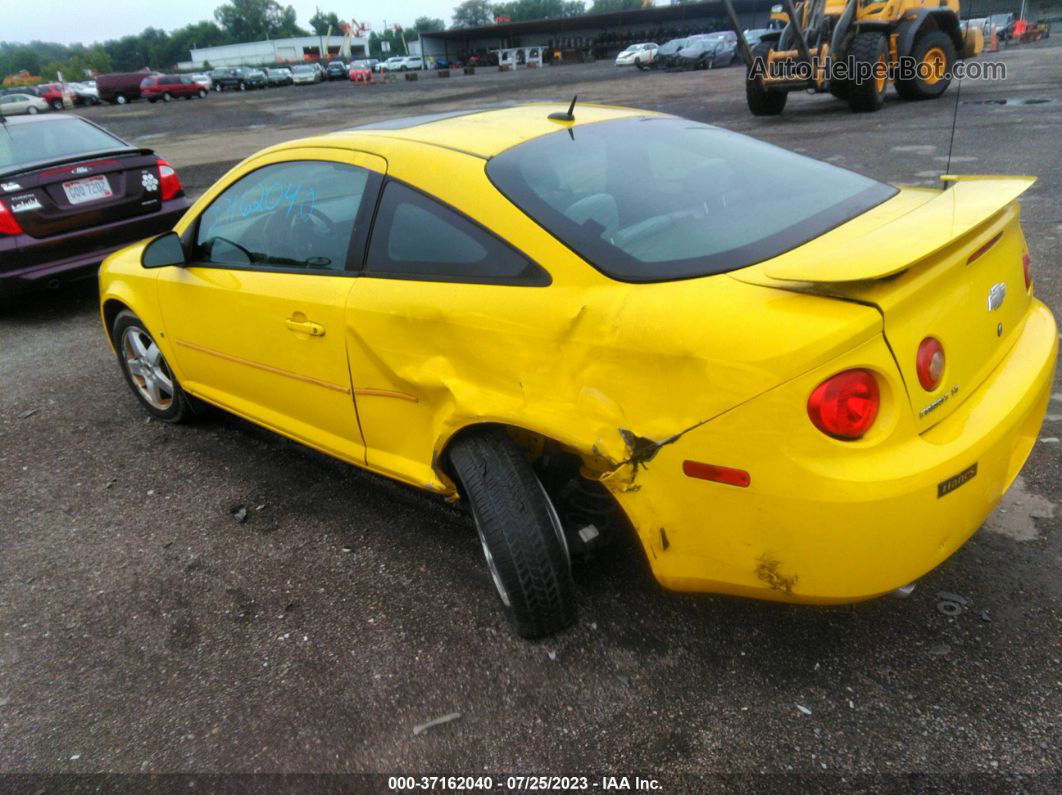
524,10
321,21
473,14
601,6
254,20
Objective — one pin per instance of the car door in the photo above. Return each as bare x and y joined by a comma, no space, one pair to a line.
256,319
414,320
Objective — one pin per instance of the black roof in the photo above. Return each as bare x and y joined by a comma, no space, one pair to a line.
639,16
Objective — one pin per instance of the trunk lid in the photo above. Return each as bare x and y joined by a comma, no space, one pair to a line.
944,264
92,191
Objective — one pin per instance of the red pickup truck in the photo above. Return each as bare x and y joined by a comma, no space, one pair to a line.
57,95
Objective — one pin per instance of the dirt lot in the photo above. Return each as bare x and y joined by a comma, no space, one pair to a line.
142,629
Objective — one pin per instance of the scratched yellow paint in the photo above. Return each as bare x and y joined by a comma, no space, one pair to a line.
635,379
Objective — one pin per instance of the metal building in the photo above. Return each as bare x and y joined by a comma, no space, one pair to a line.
287,51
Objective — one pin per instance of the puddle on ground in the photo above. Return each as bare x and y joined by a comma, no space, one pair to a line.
1014,516
1010,101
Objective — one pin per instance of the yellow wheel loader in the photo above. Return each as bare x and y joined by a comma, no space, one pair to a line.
853,49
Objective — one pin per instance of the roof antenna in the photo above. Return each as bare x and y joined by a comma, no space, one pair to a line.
569,116
955,114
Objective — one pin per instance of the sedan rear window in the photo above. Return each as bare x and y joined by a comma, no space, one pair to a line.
54,139
659,198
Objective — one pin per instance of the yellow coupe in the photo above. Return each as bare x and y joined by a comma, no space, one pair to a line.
793,382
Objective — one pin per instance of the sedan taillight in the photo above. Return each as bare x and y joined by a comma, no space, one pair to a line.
845,405
8,223
1026,265
170,183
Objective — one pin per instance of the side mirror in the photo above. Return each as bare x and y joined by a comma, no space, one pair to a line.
163,251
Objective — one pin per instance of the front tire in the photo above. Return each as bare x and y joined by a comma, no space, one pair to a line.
120,99
147,372
762,101
166,97
202,94
934,55
871,49
32,111
522,539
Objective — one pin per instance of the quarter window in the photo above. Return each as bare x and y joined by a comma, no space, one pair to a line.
416,237
299,215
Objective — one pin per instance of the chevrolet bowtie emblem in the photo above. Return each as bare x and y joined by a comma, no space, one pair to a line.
996,296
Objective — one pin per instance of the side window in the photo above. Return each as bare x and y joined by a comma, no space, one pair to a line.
416,237
298,215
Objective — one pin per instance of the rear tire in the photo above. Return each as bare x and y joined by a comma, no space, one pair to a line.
243,86
867,96
934,54
166,97
57,104
120,99
202,93
32,111
146,371
518,528
761,101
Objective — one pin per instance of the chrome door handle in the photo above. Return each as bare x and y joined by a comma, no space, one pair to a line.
305,327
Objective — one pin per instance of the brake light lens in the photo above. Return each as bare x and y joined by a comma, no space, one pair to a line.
8,224
170,183
929,363
845,405
1026,264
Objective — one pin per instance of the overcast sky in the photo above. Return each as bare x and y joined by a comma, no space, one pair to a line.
70,21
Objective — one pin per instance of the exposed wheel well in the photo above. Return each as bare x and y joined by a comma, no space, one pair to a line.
111,308
580,500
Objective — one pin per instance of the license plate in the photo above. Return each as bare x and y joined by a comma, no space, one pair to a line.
89,189
952,483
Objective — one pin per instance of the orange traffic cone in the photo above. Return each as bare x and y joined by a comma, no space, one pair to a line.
993,41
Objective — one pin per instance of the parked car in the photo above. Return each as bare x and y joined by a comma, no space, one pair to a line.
16,104
57,95
336,70
445,63
237,78
121,87
807,445
360,72
706,52
84,94
167,87
640,55
305,73
666,53
279,77
203,79
70,194
411,63
393,64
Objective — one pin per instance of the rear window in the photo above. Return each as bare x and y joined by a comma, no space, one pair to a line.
657,199
22,144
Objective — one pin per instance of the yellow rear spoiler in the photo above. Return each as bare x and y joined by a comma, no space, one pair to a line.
895,246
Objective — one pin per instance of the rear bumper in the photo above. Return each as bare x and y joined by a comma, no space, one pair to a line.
827,521
76,255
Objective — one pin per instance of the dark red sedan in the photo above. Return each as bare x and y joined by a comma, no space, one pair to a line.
167,87
70,194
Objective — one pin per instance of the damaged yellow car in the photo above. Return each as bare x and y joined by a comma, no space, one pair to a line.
793,382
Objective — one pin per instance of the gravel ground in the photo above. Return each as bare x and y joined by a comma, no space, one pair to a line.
144,630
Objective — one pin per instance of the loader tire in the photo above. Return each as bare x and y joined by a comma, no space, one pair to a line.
870,49
762,101
934,56
522,538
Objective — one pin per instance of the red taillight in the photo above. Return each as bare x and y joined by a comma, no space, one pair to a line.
846,405
1026,265
170,184
728,475
8,224
929,363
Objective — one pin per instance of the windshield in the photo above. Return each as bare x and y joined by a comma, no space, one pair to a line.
301,70
21,144
660,198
